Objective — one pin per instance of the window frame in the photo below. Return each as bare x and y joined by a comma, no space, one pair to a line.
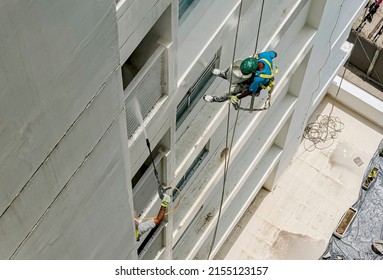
184,8
195,92
191,170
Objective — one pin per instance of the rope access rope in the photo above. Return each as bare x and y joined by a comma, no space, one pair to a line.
259,28
266,105
325,127
227,155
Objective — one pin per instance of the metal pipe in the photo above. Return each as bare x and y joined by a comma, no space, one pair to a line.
161,190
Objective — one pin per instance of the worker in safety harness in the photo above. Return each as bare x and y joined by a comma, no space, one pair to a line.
259,68
146,225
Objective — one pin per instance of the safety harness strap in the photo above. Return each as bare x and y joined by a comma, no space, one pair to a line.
269,85
266,76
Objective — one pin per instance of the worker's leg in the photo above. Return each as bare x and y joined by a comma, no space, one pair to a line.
238,88
221,73
218,98
256,94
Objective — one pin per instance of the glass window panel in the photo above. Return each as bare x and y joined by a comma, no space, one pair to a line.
196,91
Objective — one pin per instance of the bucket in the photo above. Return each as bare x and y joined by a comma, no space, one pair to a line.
235,73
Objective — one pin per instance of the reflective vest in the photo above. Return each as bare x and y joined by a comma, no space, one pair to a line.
267,76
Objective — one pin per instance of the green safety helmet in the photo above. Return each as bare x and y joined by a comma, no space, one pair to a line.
249,65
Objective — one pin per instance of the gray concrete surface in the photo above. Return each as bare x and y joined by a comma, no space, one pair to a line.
361,80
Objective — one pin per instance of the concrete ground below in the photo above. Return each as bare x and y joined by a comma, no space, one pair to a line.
296,220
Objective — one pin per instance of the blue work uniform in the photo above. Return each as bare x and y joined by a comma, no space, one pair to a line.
258,81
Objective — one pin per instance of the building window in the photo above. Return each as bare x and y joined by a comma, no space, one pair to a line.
195,93
152,243
146,48
183,6
145,183
191,170
141,171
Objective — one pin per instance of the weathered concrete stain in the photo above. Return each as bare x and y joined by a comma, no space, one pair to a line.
292,246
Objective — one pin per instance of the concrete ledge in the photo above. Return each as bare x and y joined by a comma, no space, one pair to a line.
358,100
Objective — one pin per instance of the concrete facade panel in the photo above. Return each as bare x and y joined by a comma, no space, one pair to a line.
91,217
363,54
63,162
43,94
129,40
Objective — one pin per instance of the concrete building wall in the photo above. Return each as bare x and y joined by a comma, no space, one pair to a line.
309,37
64,175
367,57
102,78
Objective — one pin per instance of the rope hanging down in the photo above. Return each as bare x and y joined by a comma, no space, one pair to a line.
325,127
227,155
267,104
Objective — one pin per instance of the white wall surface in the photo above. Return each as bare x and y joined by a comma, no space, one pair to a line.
326,58
89,219
357,99
64,175
50,72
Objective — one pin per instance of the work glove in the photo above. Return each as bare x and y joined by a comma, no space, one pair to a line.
234,99
166,200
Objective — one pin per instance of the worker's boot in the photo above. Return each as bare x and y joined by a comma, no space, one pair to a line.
211,98
219,73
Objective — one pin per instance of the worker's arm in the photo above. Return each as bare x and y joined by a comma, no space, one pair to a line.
255,85
244,94
161,214
145,226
